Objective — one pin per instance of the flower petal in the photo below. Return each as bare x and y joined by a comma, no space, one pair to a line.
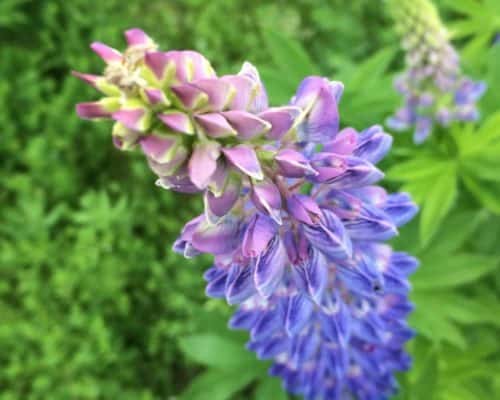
281,119
160,148
239,284
92,110
344,143
244,158
298,314
400,207
217,207
304,209
266,197
218,239
259,100
160,64
137,119
318,98
330,237
203,163
293,164
108,54
214,125
137,37
245,91
259,232
219,93
312,275
179,182
270,268
177,121
245,124
190,96
373,144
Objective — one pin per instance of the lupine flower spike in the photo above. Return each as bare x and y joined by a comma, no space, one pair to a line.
293,216
434,89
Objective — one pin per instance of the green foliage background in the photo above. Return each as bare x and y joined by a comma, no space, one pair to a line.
94,305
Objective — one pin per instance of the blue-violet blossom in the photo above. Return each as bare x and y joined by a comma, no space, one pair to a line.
434,89
293,216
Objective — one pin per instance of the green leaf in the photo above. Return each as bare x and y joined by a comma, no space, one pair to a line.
288,56
216,351
434,327
440,198
473,52
483,166
279,86
474,143
417,168
371,70
366,97
468,7
418,190
219,385
452,270
270,388
458,307
487,193
425,387
469,310
459,226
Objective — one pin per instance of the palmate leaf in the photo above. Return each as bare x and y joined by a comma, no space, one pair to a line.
480,21
270,388
451,236
453,270
425,386
290,64
442,306
432,182
288,55
468,374
434,327
230,367
487,193
489,103
368,95
215,351
417,168
219,384
474,142
439,200
479,161
485,166
451,373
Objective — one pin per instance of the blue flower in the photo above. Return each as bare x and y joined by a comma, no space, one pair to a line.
434,89
318,290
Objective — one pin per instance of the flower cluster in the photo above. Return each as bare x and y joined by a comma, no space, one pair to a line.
434,89
293,218
199,132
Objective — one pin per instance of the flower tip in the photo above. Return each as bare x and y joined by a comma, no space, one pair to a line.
136,36
108,54
87,78
91,110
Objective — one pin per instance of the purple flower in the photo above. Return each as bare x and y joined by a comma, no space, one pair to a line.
434,89
292,217
193,126
318,291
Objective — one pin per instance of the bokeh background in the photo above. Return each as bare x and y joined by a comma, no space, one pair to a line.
94,305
